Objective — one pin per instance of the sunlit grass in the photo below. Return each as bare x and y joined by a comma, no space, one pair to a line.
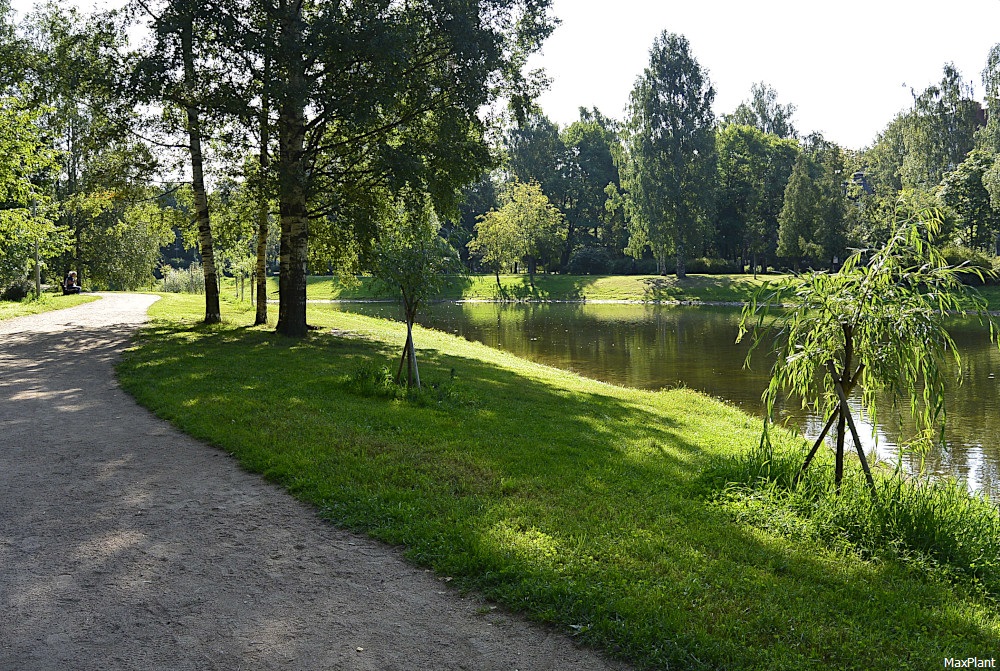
46,303
577,503
711,288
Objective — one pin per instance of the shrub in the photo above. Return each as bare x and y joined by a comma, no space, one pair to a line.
589,261
190,281
710,266
17,291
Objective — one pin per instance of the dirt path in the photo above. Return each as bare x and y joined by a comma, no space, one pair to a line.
126,545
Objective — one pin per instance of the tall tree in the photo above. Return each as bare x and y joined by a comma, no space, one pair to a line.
754,168
71,71
385,94
667,160
811,224
589,170
183,68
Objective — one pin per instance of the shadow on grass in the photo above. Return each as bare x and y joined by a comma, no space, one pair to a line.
570,504
701,287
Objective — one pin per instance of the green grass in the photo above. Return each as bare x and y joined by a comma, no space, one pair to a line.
47,302
713,288
574,502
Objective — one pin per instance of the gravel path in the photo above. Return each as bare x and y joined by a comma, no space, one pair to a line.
124,544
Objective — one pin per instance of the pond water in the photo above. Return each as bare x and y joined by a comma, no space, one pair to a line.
657,346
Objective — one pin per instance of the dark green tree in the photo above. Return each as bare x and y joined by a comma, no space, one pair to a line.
667,159
753,170
384,95
966,191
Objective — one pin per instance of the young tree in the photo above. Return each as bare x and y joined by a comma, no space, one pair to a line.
879,323
411,257
667,160
526,227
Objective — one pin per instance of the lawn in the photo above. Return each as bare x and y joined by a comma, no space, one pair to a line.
711,288
47,302
574,502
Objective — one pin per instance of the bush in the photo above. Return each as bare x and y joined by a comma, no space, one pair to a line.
190,281
709,266
589,261
974,261
17,291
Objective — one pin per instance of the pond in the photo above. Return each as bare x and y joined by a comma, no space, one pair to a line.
657,346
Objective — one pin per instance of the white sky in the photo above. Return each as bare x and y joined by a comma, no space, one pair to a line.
842,64
848,67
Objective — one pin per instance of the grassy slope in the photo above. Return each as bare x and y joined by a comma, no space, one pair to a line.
11,309
727,288
570,500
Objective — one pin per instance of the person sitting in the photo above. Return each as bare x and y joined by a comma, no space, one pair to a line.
69,284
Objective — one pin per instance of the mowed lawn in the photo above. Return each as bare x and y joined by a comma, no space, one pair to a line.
574,502
709,288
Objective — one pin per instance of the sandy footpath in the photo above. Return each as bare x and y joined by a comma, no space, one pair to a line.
124,544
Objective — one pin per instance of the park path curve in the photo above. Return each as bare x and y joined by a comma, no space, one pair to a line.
125,544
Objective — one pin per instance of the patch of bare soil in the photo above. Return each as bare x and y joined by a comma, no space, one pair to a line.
125,544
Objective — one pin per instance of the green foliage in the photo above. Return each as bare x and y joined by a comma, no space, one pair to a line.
588,261
667,158
25,212
754,168
968,190
411,258
764,112
526,226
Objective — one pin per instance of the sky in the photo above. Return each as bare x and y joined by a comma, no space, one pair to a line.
848,66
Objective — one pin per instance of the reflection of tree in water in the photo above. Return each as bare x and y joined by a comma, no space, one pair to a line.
652,347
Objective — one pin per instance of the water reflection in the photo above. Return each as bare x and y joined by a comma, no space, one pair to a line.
655,346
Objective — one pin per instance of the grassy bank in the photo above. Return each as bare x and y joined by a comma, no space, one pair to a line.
721,288
47,302
577,503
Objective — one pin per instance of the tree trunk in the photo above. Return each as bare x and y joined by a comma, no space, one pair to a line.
213,313
260,318
412,372
292,186
681,269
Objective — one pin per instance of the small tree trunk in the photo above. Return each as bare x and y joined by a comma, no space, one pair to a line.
260,319
413,373
499,286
